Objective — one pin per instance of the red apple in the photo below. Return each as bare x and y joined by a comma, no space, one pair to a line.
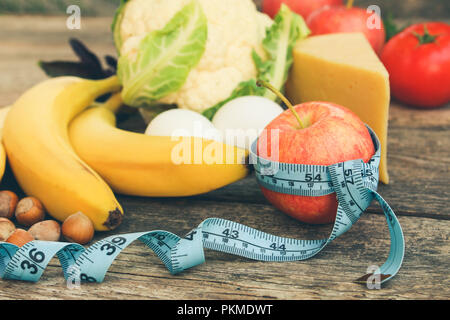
302,7
337,19
331,134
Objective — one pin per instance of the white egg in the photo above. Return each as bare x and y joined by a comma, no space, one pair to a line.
182,123
242,120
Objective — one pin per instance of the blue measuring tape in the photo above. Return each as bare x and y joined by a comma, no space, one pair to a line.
354,182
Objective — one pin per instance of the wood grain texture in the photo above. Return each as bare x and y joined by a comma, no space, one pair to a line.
138,274
419,160
404,8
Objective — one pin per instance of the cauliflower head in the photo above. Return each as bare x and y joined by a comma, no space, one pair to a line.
235,29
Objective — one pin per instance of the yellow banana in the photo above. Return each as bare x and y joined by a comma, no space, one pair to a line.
141,165
3,113
44,163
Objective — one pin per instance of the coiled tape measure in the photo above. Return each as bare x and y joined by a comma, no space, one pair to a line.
354,182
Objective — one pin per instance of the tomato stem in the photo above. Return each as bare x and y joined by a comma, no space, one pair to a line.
261,83
426,37
350,4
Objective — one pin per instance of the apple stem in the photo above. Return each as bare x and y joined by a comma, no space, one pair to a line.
350,4
261,83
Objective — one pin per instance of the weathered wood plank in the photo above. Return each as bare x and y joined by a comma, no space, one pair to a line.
405,8
25,41
138,274
420,173
52,7
417,138
401,116
418,158
419,161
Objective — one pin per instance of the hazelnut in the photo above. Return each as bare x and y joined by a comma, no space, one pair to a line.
29,211
20,237
8,203
6,229
78,228
48,230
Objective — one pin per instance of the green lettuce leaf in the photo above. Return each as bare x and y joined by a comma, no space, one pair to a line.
164,58
278,44
247,88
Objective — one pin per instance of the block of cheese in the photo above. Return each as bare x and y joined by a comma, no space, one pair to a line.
342,68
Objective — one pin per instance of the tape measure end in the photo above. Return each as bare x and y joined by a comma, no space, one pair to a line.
370,276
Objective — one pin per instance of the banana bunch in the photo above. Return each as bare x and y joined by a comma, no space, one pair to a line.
3,113
140,165
74,159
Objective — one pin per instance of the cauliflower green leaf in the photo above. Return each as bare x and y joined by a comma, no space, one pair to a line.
278,44
115,27
164,58
246,88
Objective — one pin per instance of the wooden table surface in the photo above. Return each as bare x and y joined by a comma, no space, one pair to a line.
419,160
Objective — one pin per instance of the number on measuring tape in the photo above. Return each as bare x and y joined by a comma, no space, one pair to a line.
354,182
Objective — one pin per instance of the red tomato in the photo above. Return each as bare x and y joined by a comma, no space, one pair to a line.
342,19
302,7
418,61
